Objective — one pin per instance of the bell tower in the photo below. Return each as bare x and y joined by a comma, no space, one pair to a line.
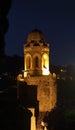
36,54
36,72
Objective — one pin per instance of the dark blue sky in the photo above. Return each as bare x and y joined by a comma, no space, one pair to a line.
56,19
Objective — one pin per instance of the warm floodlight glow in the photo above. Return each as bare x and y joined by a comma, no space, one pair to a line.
20,78
33,119
44,125
45,64
45,71
25,74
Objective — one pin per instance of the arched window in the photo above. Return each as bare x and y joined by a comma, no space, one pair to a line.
45,61
28,62
36,62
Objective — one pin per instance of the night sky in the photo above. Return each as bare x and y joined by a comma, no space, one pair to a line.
56,19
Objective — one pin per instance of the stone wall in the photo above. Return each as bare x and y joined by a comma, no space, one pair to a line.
46,91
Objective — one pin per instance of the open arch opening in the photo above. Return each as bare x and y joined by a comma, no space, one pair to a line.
28,62
45,64
36,62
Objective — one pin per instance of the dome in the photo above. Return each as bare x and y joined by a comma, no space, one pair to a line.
35,35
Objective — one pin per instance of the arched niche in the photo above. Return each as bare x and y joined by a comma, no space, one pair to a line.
45,64
28,61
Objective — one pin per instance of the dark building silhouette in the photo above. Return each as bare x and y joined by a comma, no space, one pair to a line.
5,6
12,114
27,96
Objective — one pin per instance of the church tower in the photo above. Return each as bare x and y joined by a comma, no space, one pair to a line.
36,54
36,72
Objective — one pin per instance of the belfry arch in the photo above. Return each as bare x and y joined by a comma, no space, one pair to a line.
28,61
36,62
45,64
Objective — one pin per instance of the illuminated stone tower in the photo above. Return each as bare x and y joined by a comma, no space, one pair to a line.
36,72
36,54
